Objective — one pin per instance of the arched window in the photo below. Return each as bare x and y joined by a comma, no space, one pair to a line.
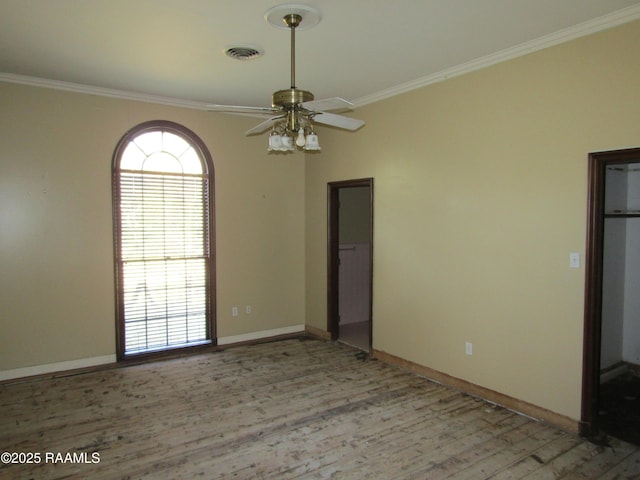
163,219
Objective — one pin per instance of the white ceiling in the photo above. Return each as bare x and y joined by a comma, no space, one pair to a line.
361,50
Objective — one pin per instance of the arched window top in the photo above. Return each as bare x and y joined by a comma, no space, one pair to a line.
163,147
164,240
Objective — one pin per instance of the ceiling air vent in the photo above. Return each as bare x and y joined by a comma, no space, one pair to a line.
242,52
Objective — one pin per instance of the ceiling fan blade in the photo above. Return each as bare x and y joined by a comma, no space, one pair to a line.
339,121
262,126
335,103
242,109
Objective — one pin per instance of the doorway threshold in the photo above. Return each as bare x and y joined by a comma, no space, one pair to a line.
355,335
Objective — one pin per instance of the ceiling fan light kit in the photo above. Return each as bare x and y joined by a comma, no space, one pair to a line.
294,111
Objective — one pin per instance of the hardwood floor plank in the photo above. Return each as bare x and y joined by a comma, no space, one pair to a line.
292,409
567,463
533,461
606,459
627,469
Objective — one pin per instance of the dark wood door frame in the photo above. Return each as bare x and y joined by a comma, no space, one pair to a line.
333,205
598,163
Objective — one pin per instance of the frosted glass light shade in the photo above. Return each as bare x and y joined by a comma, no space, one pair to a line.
275,142
312,142
287,143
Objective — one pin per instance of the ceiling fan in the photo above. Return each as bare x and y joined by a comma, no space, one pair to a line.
294,111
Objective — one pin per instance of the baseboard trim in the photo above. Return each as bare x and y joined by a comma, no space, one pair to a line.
510,403
262,335
613,371
50,368
318,333
618,369
110,361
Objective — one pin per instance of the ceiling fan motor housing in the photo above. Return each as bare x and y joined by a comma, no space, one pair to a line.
290,98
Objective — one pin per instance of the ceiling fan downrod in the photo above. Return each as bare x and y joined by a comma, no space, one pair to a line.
292,21
290,99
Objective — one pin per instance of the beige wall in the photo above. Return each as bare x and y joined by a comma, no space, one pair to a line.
56,250
480,195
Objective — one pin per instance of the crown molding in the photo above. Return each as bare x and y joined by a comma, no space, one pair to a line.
604,22
100,91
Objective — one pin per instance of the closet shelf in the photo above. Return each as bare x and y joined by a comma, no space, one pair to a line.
622,214
624,169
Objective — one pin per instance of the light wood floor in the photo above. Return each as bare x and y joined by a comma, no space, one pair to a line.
282,410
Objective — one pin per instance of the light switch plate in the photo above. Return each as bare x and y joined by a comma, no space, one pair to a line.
574,260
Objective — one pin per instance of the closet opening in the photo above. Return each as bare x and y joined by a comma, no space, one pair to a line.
611,361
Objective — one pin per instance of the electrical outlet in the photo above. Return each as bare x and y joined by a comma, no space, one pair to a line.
468,348
247,309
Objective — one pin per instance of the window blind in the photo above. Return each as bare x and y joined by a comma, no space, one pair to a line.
163,259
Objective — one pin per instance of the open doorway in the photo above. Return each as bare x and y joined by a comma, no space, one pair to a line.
611,371
350,262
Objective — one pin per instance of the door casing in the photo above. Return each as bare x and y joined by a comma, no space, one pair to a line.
598,163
